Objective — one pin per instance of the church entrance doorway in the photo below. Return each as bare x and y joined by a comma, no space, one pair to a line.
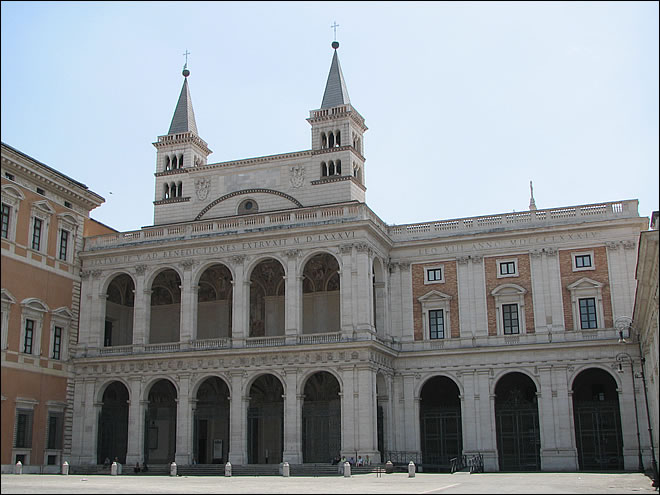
113,424
517,423
160,424
321,418
211,430
597,421
265,421
440,423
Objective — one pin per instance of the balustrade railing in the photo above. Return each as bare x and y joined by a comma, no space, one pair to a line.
265,341
169,347
319,338
222,343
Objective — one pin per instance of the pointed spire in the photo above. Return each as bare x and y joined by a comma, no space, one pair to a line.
335,89
184,117
532,204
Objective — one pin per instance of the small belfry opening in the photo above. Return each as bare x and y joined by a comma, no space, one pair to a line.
321,294
211,422
165,307
321,418
119,308
597,421
214,303
265,421
113,424
267,291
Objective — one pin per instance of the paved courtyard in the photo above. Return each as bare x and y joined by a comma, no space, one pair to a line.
422,483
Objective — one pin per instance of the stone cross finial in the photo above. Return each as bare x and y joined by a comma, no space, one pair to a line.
335,26
186,55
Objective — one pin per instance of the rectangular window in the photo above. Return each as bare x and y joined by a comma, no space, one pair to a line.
508,268
67,204
64,241
588,313
55,422
6,211
23,430
510,319
9,176
583,261
434,274
29,335
57,343
41,191
36,234
437,324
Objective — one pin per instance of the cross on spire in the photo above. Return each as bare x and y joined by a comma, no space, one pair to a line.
186,55
335,26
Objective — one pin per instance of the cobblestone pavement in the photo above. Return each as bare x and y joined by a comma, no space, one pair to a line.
422,483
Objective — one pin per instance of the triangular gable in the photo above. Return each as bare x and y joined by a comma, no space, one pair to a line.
585,283
432,296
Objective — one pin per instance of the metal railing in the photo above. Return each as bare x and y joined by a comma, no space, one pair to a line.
475,463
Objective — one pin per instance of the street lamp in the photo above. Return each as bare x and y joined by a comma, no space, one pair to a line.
620,358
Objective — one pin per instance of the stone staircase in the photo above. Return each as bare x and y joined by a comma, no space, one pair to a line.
95,469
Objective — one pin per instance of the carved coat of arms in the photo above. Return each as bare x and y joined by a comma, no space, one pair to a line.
202,187
297,176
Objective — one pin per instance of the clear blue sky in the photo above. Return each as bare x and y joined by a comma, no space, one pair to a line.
465,102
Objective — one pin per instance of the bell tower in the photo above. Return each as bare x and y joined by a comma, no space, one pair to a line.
337,133
179,151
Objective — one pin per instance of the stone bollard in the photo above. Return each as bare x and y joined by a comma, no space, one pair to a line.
411,470
65,468
285,469
228,469
173,469
18,468
347,470
389,467
113,469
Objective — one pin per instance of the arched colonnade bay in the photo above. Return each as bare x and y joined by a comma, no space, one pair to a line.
308,417
270,297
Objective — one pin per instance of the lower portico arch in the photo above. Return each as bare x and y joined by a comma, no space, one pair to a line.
265,420
321,418
160,422
211,420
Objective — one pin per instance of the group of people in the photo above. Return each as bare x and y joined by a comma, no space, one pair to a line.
360,461
138,468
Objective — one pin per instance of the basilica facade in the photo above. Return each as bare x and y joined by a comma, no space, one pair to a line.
270,315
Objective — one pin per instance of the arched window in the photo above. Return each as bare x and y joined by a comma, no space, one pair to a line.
338,139
172,190
180,161
168,163
166,191
338,167
324,140
324,169
331,140
179,189
331,168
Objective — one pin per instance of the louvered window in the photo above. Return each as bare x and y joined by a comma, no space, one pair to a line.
23,433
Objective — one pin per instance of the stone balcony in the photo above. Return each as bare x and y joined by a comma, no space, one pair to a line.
352,212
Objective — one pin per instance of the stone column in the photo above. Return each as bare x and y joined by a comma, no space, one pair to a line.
136,407
86,304
96,312
184,448
411,439
293,298
292,419
395,301
407,329
363,299
240,303
367,443
188,320
141,310
349,412
487,434
92,410
238,420
346,289
469,412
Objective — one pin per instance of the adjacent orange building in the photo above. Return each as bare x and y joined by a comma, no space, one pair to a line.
45,216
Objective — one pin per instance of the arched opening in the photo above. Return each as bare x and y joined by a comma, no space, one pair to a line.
266,421
172,190
324,140
119,311
382,414
180,163
440,423
331,168
214,308
160,427
166,191
338,138
165,307
338,167
321,418
324,169
597,421
113,424
211,433
517,423
174,162
331,140
321,295
179,189
267,299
